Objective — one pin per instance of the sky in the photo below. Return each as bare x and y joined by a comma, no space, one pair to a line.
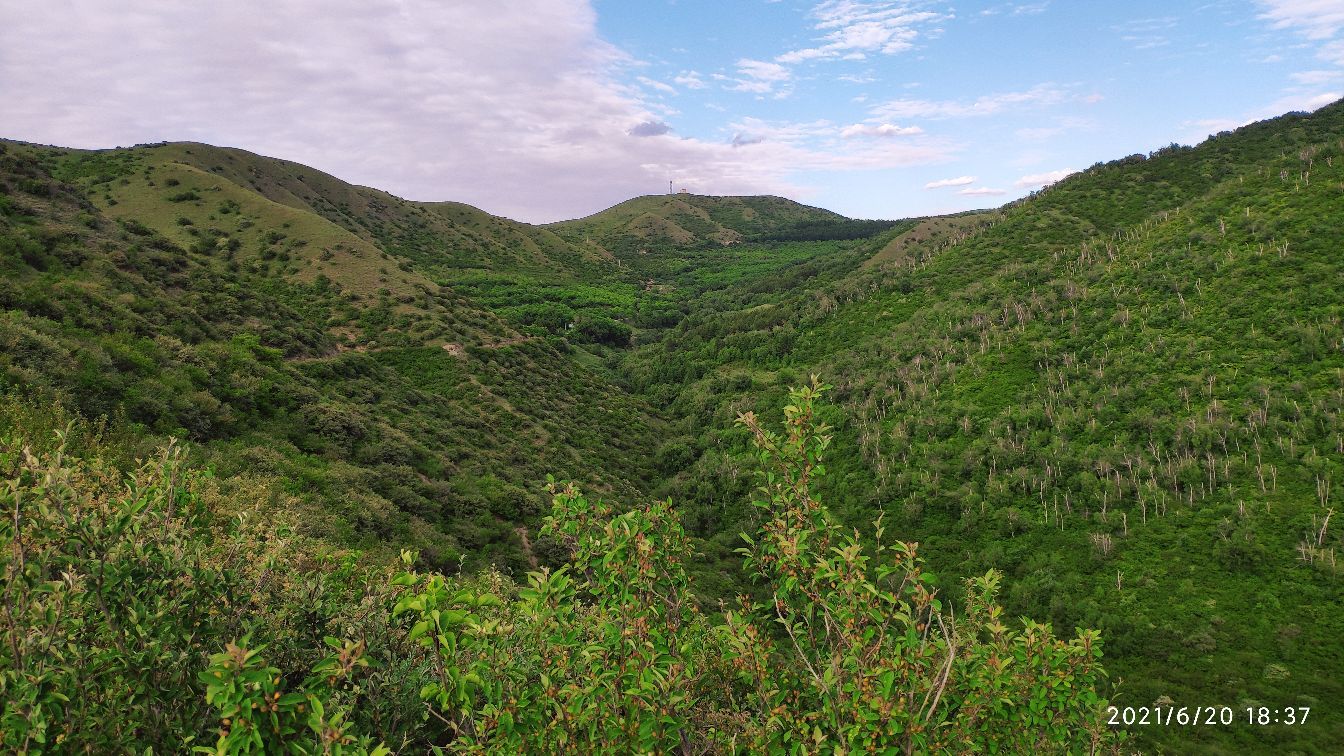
553,109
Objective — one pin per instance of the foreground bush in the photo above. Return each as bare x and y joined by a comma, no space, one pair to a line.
852,646
850,650
134,619
121,596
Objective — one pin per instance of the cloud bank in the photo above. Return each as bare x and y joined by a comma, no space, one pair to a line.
517,108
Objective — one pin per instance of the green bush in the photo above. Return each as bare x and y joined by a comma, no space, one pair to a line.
603,330
851,650
107,591
122,595
869,659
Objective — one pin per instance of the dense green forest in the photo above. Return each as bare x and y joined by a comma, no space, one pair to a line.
274,443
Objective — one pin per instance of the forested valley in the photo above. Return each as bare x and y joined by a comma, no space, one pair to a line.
294,464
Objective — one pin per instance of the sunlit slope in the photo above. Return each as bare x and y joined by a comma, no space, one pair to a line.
280,344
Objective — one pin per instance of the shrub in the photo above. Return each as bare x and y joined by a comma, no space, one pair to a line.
604,330
106,593
600,655
130,619
118,589
851,650
866,658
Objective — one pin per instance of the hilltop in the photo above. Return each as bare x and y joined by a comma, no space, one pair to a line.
686,217
651,222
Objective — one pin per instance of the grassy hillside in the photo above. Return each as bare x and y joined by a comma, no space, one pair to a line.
650,223
1125,392
442,235
283,344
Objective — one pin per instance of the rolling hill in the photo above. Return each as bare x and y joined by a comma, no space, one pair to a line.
645,223
178,302
1124,392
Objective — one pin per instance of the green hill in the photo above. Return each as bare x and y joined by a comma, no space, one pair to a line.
1123,393
178,302
439,235
649,223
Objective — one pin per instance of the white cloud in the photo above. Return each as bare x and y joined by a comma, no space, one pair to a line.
878,130
852,30
1311,78
958,181
1332,53
1149,24
820,145
1040,95
1314,19
655,84
785,131
1297,102
1146,33
1018,9
1062,126
1041,179
1206,126
1146,42
760,76
1293,102
1030,9
690,80
982,191
516,108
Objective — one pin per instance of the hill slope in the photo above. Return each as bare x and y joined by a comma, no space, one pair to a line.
284,344
1125,392
442,235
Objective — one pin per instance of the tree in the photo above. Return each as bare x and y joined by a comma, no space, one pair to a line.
853,648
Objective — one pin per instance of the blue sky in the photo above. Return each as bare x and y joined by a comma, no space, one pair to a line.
551,109
991,99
